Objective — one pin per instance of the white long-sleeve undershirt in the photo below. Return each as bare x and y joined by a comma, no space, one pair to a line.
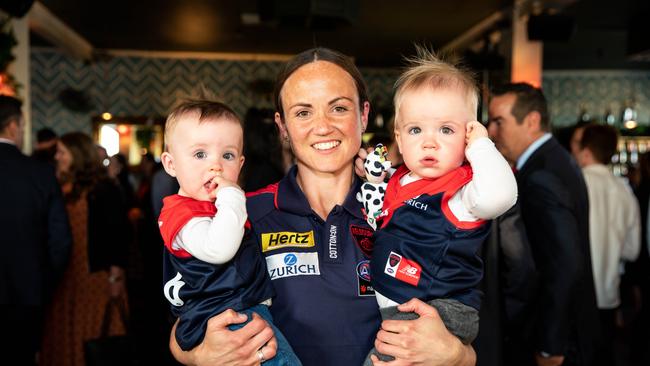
216,239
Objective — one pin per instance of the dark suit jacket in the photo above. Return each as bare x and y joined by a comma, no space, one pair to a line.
509,287
555,209
35,237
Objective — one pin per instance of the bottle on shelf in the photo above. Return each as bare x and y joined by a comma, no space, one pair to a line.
609,117
584,116
628,116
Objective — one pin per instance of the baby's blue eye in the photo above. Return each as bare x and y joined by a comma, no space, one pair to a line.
229,156
200,155
414,130
446,130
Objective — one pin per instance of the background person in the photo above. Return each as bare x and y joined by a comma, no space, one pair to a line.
555,210
45,148
36,238
614,221
99,247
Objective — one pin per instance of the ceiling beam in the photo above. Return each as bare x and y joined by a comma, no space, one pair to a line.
479,29
47,25
466,38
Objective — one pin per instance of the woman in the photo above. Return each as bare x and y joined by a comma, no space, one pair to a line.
310,228
94,274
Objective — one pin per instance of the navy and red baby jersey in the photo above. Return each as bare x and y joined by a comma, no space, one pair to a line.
422,250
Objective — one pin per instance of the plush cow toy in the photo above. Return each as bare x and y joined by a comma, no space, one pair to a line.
372,191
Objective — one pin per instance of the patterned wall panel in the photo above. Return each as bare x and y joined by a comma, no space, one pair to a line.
133,86
596,91
137,86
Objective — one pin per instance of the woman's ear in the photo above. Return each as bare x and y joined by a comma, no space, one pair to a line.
364,115
284,135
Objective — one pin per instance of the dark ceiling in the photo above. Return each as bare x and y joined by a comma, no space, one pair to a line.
375,32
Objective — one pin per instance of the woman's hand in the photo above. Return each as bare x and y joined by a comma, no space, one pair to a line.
221,346
358,162
423,341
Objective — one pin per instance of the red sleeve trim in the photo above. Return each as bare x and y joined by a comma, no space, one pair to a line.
176,212
454,186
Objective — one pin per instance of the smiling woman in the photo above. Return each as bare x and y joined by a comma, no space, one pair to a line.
323,305
322,119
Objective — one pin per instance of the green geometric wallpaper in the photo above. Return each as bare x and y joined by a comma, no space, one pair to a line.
596,90
149,87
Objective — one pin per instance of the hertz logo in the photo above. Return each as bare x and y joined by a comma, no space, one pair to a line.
284,239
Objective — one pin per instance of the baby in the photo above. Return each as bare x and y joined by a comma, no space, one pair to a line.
432,222
208,268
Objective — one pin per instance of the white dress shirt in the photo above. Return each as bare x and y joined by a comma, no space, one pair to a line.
614,230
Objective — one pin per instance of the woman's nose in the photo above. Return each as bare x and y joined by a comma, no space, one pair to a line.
322,124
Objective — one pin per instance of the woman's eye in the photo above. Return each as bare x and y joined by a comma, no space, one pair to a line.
200,155
414,130
302,114
446,130
340,109
229,156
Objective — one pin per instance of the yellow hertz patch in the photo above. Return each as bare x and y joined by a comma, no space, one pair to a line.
284,239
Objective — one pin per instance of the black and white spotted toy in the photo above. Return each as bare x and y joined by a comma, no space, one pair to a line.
372,191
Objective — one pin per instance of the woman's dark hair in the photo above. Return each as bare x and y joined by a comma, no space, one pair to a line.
86,168
319,54
262,149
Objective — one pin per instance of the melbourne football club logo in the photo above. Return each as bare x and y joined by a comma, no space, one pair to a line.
403,269
172,289
393,262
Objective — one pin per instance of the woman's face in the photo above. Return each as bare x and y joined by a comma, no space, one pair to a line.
322,117
63,158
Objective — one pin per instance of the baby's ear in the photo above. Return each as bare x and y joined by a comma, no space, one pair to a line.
168,163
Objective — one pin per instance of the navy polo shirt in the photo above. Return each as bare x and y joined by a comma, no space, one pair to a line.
324,303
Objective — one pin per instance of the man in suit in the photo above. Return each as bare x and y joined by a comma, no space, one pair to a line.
555,210
509,287
35,238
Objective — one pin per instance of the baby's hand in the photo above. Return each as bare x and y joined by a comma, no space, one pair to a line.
220,182
475,130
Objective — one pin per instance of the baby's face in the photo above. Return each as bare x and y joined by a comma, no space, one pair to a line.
430,130
198,152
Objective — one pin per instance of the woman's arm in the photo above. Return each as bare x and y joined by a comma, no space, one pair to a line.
221,346
424,341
